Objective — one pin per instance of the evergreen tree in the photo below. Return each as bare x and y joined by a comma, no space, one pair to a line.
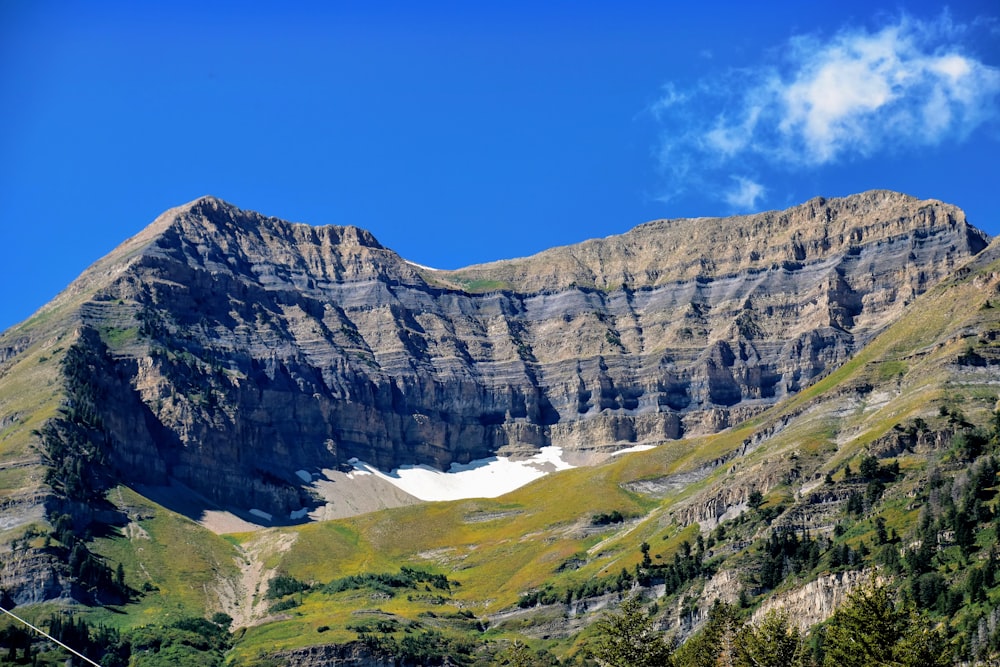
881,535
870,630
716,643
870,468
774,643
516,654
629,638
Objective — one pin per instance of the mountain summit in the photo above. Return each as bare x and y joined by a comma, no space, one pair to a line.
802,395
231,350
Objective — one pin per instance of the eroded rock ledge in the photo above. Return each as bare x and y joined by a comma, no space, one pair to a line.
258,348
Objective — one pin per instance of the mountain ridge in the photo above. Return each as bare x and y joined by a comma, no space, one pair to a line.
808,398
803,232
212,312
842,210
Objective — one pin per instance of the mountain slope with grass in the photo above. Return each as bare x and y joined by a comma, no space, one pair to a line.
243,357
872,469
881,464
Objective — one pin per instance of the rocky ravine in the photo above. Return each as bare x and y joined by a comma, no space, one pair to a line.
243,349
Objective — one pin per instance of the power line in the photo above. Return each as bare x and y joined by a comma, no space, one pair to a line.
50,638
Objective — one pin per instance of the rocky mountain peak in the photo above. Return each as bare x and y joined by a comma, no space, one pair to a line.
208,217
231,367
255,348
670,250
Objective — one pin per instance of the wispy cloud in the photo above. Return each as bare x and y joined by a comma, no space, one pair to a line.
856,94
744,194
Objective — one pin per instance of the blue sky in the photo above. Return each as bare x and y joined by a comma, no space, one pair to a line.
466,132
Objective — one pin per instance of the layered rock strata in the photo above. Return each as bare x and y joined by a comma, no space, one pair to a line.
245,353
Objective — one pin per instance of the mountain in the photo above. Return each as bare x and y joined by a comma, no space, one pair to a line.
222,362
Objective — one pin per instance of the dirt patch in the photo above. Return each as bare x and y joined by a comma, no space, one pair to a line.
244,598
483,517
221,522
351,494
133,531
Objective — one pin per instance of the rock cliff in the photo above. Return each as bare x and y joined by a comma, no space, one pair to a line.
241,349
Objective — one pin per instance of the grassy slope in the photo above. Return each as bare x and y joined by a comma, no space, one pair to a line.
31,391
30,382
910,369
181,564
498,549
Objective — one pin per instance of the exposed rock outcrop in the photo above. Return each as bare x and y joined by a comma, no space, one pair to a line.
29,576
246,348
815,601
333,655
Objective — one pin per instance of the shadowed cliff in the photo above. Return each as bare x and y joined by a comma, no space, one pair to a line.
231,350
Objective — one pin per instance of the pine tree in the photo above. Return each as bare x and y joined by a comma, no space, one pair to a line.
120,579
629,638
515,655
773,643
716,643
870,630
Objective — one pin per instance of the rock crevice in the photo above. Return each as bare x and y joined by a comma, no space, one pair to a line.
259,347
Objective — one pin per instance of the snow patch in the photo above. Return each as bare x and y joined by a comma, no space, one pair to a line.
298,514
304,475
420,266
260,513
483,478
359,470
634,448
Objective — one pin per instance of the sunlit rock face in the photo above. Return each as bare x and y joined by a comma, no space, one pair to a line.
242,348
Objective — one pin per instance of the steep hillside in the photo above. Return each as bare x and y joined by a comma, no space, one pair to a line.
247,349
857,467
824,381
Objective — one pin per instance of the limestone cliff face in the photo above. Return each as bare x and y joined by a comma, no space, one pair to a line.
816,601
245,348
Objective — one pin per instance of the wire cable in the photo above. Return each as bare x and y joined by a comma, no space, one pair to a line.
51,638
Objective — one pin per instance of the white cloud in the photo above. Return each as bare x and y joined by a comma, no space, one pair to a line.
863,92
670,97
850,96
745,194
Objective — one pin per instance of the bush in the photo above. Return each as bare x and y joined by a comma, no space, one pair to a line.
606,519
283,605
390,584
283,585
